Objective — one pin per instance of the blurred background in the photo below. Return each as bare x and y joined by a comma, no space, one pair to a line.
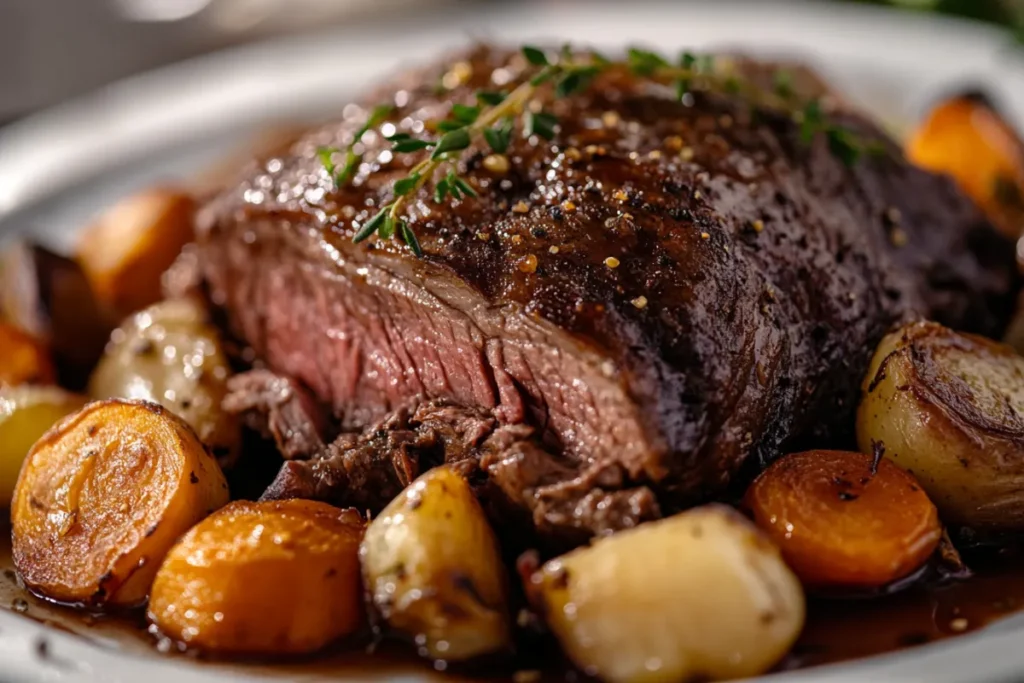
55,49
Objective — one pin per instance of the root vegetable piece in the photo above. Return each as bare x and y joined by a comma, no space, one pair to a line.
102,497
967,138
125,252
269,578
23,360
26,412
840,522
170,354
49,297
699,596
949,408
432,567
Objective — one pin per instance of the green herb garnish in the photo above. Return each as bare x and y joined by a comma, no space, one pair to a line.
343,176
492,120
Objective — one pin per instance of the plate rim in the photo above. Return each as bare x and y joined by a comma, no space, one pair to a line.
137,115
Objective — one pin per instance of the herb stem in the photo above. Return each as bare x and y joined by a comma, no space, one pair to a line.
511,105
704,81
493,116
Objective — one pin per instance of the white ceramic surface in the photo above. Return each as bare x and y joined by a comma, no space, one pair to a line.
60,167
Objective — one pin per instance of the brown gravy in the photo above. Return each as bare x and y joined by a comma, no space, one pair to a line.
836,630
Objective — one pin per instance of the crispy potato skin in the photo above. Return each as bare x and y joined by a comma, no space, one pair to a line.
843,523
169,354
949,408
268,578
432,568
23,360
103,496
966,138
26,412
125,252
702,595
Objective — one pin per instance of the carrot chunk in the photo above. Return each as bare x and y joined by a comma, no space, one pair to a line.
844,521
966,138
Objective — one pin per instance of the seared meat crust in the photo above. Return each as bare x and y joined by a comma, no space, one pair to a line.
662,292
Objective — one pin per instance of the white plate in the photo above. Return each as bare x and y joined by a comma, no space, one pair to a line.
60,167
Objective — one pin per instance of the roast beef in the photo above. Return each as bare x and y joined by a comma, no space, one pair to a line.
278,408
664,291
519,478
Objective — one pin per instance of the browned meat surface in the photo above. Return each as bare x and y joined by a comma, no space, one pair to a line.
662,292
279,409
368,470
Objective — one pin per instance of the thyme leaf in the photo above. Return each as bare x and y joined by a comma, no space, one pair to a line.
493,116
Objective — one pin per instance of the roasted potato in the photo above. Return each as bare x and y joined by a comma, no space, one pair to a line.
169,354
103,496
23,360
699,596
125,252
949,409
966,138
844,521
48,296
432,568
268,578
26,412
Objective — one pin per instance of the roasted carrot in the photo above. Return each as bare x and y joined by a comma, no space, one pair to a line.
267,578
125,252
844,520
966,138
23,360
103,496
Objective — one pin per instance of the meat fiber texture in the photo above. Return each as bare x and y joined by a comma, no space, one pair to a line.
664,292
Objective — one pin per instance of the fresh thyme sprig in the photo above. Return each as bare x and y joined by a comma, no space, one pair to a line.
343,176
493,118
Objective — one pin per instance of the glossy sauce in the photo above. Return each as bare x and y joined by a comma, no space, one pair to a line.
836,630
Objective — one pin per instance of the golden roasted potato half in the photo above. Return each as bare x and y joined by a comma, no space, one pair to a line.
103,496
23,360
843,521
169,354
966,138
702,595
432,568
268,578
949,409
125,252
26,412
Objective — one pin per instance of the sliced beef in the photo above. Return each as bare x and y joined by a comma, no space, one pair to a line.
664,291
278,408
368,470
563,504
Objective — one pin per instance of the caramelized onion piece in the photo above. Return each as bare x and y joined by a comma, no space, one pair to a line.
103,496
966,138
841,521
23,360
269,578
949,408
